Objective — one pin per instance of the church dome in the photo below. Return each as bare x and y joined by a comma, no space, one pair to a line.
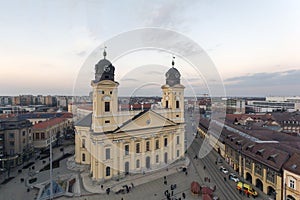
104,69
173,76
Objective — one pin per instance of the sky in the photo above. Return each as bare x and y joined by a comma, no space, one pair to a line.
253,44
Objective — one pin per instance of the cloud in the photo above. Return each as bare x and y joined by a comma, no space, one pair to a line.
289,77
168,14
262,84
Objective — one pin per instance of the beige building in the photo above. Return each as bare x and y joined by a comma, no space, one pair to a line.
49,130
115,143
15,142
258,159
291,175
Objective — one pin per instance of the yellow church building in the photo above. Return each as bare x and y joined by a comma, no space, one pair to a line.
114,142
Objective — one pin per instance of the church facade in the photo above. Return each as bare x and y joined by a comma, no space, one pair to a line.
114,142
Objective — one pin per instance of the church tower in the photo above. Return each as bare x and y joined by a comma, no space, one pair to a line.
173,95
105,96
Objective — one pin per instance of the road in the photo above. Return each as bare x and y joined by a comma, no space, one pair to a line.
154,190
225,189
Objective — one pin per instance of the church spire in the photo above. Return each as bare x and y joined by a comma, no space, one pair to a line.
104,52
173,61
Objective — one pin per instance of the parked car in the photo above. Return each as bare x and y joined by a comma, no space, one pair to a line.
219,160
247,189
224,170
233,177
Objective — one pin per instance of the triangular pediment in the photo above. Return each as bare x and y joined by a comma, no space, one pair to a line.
145,120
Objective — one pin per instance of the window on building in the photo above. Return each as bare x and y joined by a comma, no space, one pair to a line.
271,175
126,148
42,135
107,121
107,154
37,136
166,142
166,157
178,153
83,143
24,140
156,144
137,163
258,169
12,143
103,92
248,163
137,148
11,135
107,171
148,146
292,183
83,157
177,139
106,106
167,104
12,152
177,104
23,133
110,92
157,158
177,115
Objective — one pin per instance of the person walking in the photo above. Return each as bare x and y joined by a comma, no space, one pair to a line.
183,195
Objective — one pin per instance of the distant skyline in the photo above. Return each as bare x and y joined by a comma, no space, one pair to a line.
253,44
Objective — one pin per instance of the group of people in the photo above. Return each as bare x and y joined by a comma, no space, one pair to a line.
170,194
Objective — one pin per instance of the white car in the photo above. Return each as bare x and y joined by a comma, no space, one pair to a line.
224,170
233,177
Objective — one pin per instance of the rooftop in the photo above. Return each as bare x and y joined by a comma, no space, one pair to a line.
48,123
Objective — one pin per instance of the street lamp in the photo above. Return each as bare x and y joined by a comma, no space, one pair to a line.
242,168
51,178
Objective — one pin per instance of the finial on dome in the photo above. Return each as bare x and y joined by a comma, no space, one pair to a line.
104,52
173,62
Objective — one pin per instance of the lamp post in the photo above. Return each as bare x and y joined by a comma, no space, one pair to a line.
51,184
242,168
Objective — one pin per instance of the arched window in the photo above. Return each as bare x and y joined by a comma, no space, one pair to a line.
177,104
107,171
137,163
83,157
166,158
83,143
166,142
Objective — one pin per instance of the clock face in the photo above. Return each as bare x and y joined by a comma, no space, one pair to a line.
106,68
167,98
167,75
106,98
177,75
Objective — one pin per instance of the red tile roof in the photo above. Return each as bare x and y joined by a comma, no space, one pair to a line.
293,164
48,123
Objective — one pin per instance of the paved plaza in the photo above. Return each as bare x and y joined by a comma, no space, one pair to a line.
147,186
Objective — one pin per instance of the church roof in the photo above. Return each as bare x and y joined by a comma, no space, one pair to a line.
86,121
173,75
145,120
104,70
